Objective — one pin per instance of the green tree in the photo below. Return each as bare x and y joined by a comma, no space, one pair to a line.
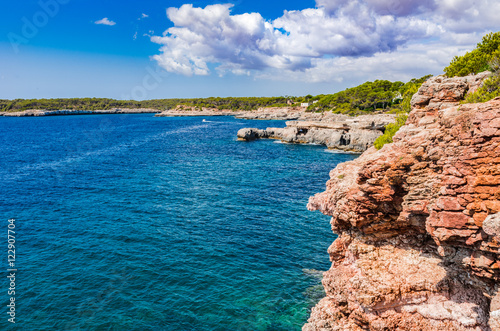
491,86
477,60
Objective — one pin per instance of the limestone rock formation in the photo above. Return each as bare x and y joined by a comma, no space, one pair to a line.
181,111
418,222
273,113
250,134
332,130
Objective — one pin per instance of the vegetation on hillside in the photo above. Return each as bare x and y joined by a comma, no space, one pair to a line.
243,103
367,97
160,104
380,95
477,60
390,131
486,56
491,86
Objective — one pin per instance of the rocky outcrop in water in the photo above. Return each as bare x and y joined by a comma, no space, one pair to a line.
418,222
332,130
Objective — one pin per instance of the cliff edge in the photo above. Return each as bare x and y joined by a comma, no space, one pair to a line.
335,131
418,222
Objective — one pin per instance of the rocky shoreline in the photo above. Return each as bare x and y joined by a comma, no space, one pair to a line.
41,112
418,222
336,131
196,112
342,132
269,113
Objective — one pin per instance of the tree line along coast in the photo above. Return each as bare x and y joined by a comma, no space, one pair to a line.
380,95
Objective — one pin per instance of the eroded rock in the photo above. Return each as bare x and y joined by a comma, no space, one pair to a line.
418,223
332,130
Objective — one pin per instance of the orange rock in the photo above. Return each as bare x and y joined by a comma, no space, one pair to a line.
479,218
448,203
487,180
452,220
452,180
493,206
421,222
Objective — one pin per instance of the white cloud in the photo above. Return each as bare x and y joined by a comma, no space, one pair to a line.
334,41
105,21
143,16
416,60
461,16
381,7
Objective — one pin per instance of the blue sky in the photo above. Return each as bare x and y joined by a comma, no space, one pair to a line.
54,48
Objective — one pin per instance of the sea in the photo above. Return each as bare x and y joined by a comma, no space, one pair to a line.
136,222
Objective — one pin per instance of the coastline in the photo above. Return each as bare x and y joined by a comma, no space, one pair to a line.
63,112
335,131
271,113
263,113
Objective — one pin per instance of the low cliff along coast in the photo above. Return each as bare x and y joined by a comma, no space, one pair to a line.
418,222
335,131
43,112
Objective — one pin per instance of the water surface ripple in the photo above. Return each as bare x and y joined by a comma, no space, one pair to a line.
131,222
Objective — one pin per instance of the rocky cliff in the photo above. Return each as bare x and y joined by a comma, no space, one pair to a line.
418,222
332,130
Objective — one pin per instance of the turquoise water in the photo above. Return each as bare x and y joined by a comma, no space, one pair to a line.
131,222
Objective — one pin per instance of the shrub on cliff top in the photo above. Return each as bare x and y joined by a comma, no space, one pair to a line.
390,131
477,60
491,86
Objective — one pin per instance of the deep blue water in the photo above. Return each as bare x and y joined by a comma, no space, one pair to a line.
131,222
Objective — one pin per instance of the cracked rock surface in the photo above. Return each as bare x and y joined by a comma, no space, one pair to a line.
418,222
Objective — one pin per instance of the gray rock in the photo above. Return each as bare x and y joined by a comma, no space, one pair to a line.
359,139
491,225
250,134
335,131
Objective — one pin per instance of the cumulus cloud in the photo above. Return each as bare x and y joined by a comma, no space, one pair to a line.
413,61
382,7
105,21
316,44
461,16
